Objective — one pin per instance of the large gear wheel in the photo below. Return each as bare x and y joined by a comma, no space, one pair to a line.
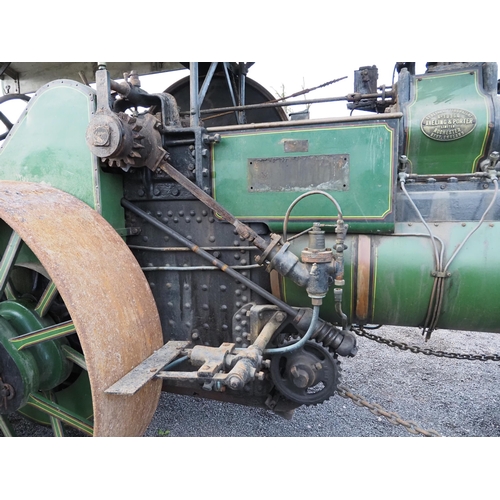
308,376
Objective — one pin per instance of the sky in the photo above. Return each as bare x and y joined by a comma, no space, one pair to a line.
296,75
278,74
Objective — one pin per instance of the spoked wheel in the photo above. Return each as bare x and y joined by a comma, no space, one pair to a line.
3,118
76,315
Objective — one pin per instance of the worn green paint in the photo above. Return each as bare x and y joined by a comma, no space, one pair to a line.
76,398
24,361
367,204
52,365
75,356
8,258
44,366
402,281
54,410
48,145
56,424
440,92
471,295
49,333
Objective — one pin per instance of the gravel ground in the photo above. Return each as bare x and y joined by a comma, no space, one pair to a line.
453,397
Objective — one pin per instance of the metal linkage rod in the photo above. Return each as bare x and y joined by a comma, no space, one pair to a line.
349,97
243,230
210,258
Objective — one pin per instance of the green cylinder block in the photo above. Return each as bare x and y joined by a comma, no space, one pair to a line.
389,279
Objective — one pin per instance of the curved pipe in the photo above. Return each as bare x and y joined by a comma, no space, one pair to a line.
303,340
287,215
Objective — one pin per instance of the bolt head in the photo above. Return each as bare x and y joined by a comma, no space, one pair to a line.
300,377
280,316
101,136
235,383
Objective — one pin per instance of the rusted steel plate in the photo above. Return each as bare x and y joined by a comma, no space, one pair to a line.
297,146
148,369
104,289
299,173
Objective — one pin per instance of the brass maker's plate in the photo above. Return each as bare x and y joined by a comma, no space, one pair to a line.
299,173
448,124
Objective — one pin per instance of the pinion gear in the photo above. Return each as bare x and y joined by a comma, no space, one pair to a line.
143,144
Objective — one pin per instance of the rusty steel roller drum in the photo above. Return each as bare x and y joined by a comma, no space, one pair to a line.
111,305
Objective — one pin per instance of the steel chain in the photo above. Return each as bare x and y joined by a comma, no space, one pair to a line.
428,352
393,418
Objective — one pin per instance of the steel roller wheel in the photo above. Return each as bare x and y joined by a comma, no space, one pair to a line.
79,257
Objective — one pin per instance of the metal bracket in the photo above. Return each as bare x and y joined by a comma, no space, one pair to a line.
440,274
210,359
147,370
275,240
12,78
128,231
258,317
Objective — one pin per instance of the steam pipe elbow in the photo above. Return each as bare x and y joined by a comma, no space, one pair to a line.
289,265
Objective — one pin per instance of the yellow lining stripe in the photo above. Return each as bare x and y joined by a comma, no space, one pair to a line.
58,412
50,333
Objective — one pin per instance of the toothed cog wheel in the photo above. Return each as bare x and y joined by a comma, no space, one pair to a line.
124,141
308,375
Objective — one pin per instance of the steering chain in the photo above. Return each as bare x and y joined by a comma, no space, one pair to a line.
392,417
428,352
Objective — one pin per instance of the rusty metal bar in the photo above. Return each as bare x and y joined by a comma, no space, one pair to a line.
210,258
193,93
147,370
243,230
348,97
186,249
296,123
267,332
196,268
